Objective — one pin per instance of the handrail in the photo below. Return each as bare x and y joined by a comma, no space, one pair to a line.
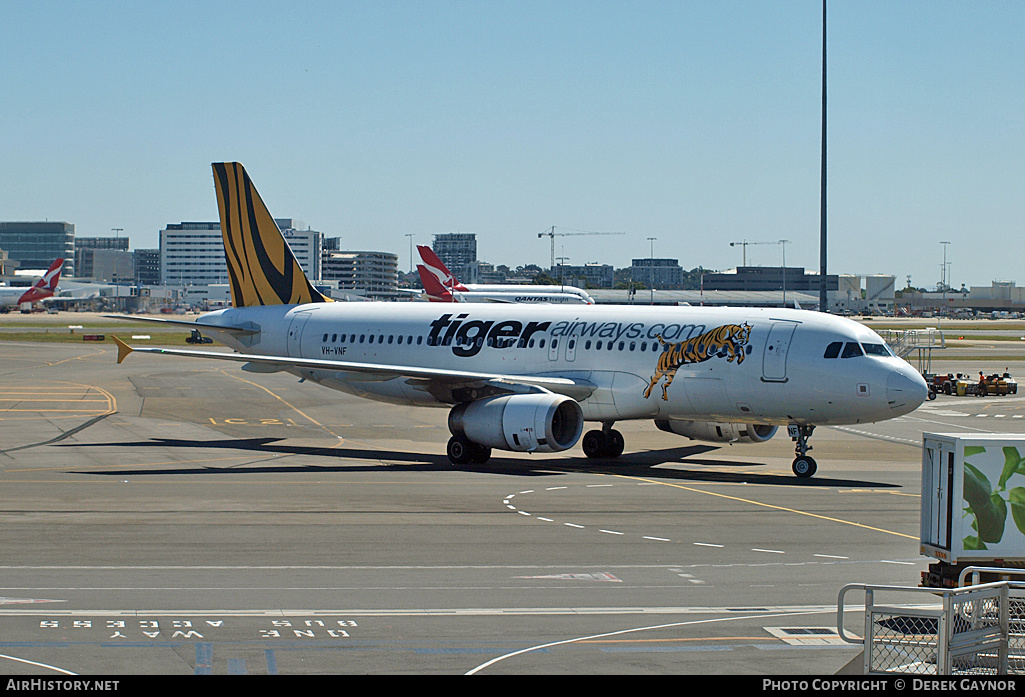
976,570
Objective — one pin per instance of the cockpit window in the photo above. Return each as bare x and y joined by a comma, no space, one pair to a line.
852,349
876,349
833,350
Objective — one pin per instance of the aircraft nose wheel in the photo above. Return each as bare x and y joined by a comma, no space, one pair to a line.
804,466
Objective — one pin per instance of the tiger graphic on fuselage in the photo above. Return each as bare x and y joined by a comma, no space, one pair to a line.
728,340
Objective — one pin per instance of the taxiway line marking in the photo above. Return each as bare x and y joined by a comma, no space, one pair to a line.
768,505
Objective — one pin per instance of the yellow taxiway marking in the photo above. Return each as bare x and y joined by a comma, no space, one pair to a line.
784,509
74,393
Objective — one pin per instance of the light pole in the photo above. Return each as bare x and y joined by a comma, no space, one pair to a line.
784,243
651,271
943,272
410,236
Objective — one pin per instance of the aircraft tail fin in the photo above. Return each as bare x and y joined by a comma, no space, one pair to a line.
262,268
45,286
432,286
437,267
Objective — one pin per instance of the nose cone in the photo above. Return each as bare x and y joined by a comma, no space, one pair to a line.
905,390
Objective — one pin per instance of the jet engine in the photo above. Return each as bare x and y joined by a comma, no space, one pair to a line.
718,432
543,423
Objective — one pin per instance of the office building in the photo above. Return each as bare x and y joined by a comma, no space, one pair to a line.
147,267
458,251
193,253
374,274
664,274
35,245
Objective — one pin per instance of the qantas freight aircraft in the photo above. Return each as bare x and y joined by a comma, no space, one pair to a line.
40,290
526,377
441,286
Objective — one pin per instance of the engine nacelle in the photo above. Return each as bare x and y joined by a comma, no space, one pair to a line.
718,432
543,423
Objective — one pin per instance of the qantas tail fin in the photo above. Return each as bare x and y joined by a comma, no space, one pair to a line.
436,292
45,286
437,267
262,268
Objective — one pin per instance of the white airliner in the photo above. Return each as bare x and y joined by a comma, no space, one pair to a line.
526,377
42,289
441,285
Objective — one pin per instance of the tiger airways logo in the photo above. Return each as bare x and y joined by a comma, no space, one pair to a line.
728,341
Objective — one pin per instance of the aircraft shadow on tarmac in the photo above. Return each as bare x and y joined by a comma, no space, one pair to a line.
664,464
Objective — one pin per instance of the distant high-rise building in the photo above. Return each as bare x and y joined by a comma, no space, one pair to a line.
35,245
458,251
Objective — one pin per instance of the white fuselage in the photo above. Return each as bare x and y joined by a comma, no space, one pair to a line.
758,366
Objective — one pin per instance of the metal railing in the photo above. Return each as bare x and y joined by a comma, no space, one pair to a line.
976,630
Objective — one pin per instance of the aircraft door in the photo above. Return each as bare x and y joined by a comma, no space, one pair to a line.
937,487
774,357
295,332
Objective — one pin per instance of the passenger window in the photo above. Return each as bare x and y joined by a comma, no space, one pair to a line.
833,350
851,349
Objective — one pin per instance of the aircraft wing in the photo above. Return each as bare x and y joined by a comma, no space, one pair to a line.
446,385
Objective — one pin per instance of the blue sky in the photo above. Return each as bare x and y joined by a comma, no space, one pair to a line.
694,122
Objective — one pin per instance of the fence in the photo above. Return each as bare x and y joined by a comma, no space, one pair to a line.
977,630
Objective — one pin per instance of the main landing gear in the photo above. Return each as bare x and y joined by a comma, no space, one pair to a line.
608,442
463,451
803,466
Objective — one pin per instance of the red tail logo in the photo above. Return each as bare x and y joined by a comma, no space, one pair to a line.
45,286
437,268
436,292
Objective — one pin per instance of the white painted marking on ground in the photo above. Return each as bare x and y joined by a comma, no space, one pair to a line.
707,544
769,551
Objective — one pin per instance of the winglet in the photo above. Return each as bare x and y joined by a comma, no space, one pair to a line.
123,349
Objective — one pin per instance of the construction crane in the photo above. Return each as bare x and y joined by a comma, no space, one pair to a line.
743,246
551,232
